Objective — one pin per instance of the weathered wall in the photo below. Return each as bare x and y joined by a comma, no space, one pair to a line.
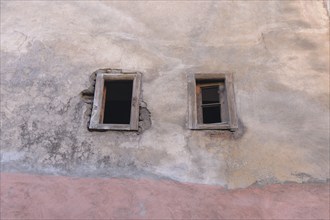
278,51
49,197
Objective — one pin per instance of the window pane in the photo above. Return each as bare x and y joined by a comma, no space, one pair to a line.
210,95
118,102
211,114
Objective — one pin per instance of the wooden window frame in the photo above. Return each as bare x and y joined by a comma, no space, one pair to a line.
96,122
194,101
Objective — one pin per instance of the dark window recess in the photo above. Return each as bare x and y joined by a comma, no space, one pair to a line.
211,101
210,95
211,105
118,100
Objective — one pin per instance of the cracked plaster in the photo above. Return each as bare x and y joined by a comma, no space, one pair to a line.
278,51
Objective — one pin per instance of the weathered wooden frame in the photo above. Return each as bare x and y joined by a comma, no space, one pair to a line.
99,101
193,122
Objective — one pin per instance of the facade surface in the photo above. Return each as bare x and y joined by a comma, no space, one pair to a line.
278,52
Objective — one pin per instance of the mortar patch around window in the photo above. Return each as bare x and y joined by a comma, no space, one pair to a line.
116,101
211,102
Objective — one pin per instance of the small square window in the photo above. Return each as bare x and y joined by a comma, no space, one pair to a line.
211,102
116,101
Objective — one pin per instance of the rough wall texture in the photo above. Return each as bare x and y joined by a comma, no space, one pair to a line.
278,51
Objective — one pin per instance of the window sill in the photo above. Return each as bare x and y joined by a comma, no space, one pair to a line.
120,127
213,126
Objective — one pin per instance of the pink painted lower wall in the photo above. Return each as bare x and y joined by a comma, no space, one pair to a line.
26,196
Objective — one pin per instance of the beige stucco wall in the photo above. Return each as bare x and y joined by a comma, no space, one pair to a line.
278,51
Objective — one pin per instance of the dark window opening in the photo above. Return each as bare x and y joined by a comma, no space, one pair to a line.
118,100
211,106
211,102
210,95
211,114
